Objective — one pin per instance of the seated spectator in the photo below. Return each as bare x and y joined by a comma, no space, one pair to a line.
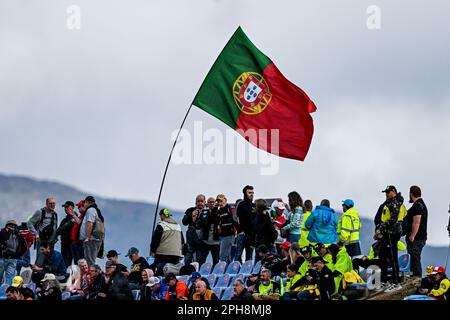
50,289
159,289
26,294
81,285
427,283
116,284
341,263
50,262
322,251
441,289
240,292
293,285
96,283
280,268
307,254
325,283
295,255
270,260
194,277
145,289
138,264
18,282
309,289
202,292
113,256
12,293
177,290
266,289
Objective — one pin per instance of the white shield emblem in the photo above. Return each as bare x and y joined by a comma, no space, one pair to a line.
251,92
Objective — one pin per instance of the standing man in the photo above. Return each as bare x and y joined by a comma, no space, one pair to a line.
77,244
416,229
192,218
210,234
167,242
43,224
226,228
65,232
245,212
91,242
348,228
322,224
388,221
12,247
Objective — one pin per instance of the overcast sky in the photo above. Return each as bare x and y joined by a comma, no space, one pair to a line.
95,107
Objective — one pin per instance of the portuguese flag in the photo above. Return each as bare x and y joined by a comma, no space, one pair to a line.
246,91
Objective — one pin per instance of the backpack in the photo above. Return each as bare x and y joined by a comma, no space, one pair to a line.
46,233
11,245
98,230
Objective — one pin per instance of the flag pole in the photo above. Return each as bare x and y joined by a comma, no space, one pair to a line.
167,167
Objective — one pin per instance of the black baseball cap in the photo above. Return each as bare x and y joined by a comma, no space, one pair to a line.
305,250
318,246
69,204
112,253
90,199
389,189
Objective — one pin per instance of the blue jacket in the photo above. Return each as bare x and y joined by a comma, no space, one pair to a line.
161,293
322,224
54,263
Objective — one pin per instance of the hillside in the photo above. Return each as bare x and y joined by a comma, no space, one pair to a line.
128,223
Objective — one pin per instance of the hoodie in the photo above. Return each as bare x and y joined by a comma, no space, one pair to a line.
322,225
245,213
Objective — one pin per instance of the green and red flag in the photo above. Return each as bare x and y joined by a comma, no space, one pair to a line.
245,90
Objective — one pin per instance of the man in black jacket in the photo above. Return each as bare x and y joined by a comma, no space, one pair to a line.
12,247
264,232
97,282
245,212
116,284
240,292
194,218
65,232
225,228
210,233
326,280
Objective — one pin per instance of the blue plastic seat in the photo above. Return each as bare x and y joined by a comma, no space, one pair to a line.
219,268
235,277
247,267
32,286
205,269
227,294
211,279
218,292
257,267
136,294
418,297
184,278
3,291
150,260
233,268
65,295
404,263
223,281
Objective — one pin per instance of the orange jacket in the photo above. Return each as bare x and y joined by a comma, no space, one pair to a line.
180,289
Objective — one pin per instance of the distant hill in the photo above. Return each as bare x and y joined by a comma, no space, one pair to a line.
128,223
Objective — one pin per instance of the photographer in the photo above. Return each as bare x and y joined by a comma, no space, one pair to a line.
12,247
210,234
43,225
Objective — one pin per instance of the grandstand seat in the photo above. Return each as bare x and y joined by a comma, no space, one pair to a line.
218,292
223,281
205,269
211,279
150,260
219,268
136,294
247,267
26,276
233,267
3,291
418,297
404,263
65,295
227,294
183,278
256,267
235,277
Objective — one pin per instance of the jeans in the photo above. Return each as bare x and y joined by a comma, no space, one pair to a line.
205,250
8,267
306,295
91,249
389,257
415,251
189,257
24,261
66,252
225,248
78,251
353,249
293,238
241,244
